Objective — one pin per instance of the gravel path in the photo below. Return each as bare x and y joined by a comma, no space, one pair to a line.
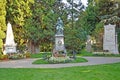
27,63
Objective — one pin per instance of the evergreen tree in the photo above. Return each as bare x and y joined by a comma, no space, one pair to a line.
39,27
109,10
96,13
86,24
17,12
2,22
72,37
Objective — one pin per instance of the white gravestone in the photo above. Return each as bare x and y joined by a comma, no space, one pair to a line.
10,45
110,39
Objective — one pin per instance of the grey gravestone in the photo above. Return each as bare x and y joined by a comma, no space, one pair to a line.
110,39
89,44
10,45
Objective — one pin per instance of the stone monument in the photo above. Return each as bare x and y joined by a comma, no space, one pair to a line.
59,54
89,44
10,45
110,39
59,37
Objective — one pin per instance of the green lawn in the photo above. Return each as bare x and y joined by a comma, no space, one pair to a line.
98,72
40,55
82,53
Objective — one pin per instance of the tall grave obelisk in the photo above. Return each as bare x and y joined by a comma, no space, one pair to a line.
10,45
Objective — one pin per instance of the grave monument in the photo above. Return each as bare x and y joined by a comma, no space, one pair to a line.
59,54
10,45
89,44
59,39
110,39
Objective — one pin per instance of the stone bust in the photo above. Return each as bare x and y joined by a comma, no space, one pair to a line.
59,26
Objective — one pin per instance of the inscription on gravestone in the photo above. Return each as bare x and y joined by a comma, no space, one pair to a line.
110,39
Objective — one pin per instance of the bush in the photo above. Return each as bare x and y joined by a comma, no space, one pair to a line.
0,56
16,56
3,57
59,60
19,55
26,55
54,60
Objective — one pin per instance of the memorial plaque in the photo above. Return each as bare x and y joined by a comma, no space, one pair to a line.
59,43
110,39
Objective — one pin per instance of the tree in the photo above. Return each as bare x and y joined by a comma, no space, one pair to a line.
97,13
72,37
109,11
17,12
2,22
39,27
86,23
74,9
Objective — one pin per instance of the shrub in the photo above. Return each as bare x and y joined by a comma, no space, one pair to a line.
26,55
0,56
19,55
59,60
3,57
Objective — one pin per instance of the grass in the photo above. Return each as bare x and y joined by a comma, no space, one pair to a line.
40,55
106,55
97,72
77,60
100,54
82,53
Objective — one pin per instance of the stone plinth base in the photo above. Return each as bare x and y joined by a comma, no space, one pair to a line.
9,49
59,43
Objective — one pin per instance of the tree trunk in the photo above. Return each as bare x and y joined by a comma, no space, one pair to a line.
33,47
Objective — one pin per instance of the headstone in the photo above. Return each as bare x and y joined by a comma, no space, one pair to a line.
89,44
110,39
10,45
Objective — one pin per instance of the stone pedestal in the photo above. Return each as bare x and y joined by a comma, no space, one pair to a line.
110,39
59,43
10,49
